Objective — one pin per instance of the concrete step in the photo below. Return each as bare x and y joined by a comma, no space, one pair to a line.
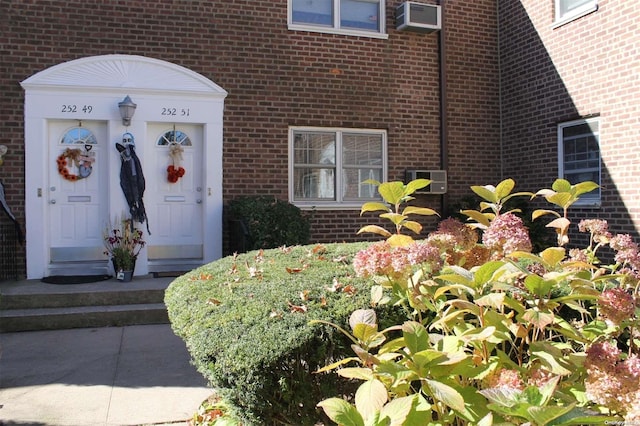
32,305
82,317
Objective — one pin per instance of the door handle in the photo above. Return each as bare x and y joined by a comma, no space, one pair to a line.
52,201
199,201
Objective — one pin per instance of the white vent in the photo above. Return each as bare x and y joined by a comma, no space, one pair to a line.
438,180
422,18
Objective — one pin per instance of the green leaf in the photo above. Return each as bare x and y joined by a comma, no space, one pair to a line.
395,218
561,185
413,226
446,394
392,192
561,199
477,216
365,332
356,373
487,193
370,398
541,212
504,188
399,240
552,358
485,273
374,207
375,229
553,255
416,184
415,336
545,415
538,318
419,210
412,410
341,412
494,300
584,187
538,285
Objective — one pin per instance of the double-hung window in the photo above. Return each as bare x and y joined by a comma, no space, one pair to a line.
351,17
328,166
579,155
567,10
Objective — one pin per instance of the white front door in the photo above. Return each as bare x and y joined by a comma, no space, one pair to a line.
174,199
76,191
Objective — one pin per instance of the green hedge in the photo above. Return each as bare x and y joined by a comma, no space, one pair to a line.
271,222
240,318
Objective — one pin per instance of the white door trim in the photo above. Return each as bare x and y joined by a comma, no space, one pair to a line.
163,92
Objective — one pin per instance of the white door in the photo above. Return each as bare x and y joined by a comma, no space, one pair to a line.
174,196
77,199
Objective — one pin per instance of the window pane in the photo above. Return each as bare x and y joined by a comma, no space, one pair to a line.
361,149
355,189
314,148
316,12
568,6
80,136
581,160
314,183
360,14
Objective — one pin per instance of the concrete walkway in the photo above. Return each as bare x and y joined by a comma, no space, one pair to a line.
134,375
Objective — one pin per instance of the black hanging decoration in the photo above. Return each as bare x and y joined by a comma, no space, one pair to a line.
132,179
7,210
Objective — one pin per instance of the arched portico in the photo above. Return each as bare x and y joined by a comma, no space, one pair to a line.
65,217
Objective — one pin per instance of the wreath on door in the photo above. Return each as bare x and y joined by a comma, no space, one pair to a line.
175,171
81,159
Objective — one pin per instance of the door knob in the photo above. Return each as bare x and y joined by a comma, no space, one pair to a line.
52,201
199,201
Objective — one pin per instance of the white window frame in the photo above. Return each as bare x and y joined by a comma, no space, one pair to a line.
336,29
588,7
338,203
589,199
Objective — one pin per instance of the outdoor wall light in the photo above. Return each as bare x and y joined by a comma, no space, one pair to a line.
127,108
3,151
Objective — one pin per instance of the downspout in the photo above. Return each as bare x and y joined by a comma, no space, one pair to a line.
500,138
444,146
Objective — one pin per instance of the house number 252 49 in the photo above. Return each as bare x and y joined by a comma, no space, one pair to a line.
70,109
182,112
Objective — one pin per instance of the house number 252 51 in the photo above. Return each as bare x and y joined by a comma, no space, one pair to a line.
182,112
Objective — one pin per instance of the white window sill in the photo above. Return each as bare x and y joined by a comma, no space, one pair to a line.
573,17
329,30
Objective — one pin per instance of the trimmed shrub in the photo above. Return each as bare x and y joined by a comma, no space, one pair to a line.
245,320
271,222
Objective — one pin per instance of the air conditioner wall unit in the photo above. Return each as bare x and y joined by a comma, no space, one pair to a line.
438,180
418,17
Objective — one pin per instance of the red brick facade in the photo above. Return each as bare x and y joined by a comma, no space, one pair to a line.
586,67
276,78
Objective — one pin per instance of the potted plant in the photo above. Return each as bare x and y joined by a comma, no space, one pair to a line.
123,242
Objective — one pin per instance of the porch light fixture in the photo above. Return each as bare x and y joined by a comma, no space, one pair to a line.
127,109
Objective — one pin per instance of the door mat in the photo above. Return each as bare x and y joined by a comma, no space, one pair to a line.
75,279
169,274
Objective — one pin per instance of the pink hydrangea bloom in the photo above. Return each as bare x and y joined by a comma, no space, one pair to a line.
374,260
616,305
505,235
598,228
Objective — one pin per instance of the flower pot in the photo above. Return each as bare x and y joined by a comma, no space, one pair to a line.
121,274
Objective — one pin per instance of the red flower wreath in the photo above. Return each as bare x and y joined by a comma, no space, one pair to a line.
174,174
62,166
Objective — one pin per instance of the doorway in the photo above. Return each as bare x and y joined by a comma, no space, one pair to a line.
72,123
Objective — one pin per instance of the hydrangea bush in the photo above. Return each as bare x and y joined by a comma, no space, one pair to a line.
497,335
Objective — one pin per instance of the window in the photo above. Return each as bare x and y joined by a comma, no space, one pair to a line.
352,17
328,166
567,10
579,155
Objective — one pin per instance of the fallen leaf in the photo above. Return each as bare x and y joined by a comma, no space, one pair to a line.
293,270
304,295
296,308
213,301
350,290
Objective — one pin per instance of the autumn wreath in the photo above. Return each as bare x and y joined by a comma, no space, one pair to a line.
175,153
81,159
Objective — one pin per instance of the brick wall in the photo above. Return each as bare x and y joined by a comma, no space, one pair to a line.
551,75
278,78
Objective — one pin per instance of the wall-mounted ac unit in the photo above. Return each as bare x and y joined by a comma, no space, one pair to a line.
422,18
438,180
